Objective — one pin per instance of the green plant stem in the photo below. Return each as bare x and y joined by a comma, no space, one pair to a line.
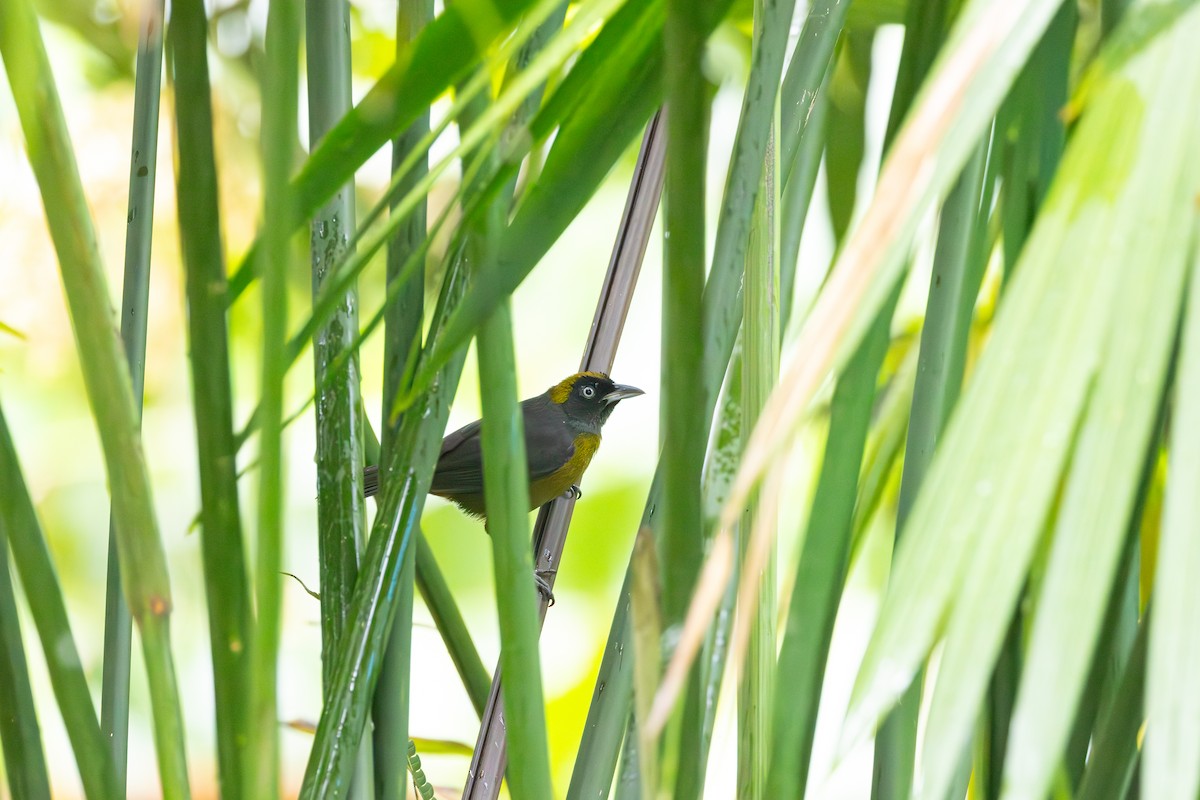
164,698
226,580
795,197
105,372
402,335
1113,646
681,394
940,365
1170,698
449,48
1036,134
683,295
20,734
992,743
118,625
803,108
1115,750
507,490
19,530
339,424
280,88
824,562
490,755
683,286
640,773
1111,12
948,309
1119,631
719,470
845,135
338,409
896,740
446,617
761,348
356,673
451,626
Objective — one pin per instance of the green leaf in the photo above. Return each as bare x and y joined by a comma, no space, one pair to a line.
1163,177
845,120
222,542
373,605
647,656
280,87
118,625
1169,769
972,73
1115,751
105,372
20,531
438,59
403,320
978,519
444,52
682,377
341,504
506,489
20,735
761,370
450,625
491,177
584,151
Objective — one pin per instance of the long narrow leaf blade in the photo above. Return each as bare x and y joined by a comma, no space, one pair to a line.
118,625
21,532
977,519
105,372
1161,177
280,89
20,734
1170,769
967,83
227,586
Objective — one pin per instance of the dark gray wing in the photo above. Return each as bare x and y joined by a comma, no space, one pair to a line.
459,463
548,445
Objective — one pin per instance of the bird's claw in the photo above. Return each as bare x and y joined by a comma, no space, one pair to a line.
542,578
573,492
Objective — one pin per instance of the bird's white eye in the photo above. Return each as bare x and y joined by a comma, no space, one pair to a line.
589,392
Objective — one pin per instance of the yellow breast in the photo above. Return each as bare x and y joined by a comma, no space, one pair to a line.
546,489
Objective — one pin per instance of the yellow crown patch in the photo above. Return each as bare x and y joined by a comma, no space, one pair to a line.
562,390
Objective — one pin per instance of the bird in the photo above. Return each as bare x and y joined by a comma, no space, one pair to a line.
562,432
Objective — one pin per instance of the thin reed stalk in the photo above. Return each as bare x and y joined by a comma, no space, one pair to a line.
143,169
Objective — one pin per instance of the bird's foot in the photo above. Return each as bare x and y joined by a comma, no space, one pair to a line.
542,578
574,492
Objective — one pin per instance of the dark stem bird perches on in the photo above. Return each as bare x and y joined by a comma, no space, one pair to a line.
550,530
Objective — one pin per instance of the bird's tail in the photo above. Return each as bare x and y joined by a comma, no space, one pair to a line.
370,481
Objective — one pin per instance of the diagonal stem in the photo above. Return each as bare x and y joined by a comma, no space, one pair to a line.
550,530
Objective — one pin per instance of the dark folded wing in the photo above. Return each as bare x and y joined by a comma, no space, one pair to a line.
459,464
548,445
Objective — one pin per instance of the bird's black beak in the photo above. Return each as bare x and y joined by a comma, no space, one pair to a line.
619,393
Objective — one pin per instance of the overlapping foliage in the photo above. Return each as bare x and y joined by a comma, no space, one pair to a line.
1051,147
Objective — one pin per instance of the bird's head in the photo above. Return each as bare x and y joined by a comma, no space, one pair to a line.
587,398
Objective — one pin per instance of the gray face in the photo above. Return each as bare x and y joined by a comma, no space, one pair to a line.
593,399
